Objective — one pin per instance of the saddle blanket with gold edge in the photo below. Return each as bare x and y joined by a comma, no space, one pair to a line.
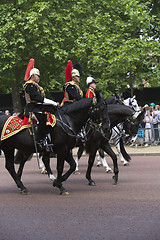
14,125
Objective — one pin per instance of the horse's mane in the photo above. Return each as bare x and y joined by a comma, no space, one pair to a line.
110,100
119,109
77,106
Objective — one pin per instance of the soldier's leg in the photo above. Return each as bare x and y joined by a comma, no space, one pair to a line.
41,130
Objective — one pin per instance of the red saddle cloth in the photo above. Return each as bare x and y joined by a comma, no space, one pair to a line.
14,125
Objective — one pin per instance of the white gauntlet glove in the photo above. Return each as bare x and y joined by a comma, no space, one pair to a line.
47,101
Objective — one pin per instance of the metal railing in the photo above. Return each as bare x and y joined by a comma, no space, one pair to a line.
147,137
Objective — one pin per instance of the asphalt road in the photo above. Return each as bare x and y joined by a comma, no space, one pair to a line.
127,211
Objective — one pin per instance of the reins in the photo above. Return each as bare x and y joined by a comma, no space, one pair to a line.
92,125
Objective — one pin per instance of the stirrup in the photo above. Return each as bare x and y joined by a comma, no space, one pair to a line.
81,137
44,146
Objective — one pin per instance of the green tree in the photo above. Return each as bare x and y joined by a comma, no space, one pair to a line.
29,30
114,41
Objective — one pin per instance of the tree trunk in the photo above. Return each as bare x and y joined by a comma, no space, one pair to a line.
131,82
16,100
131,90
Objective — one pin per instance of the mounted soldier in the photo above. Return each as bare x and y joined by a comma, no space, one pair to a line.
72,91
91,83
37,103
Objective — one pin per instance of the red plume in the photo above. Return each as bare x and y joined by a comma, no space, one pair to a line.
68,71
29,67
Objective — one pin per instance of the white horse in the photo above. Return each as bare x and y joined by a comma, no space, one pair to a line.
116,133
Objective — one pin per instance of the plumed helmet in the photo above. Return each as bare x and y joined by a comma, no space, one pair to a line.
90,80
75,72
28,69
68,71
78,67
34,71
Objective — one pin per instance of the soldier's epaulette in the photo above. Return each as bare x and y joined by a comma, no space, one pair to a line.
72,83
28,82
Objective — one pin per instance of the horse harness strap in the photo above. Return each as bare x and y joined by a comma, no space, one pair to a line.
65,126
90,123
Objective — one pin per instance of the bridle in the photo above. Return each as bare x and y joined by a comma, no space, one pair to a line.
95,125
130,121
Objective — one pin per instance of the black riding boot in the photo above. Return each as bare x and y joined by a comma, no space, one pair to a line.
41,132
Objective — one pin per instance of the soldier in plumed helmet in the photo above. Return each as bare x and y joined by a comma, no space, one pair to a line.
37,103
72,91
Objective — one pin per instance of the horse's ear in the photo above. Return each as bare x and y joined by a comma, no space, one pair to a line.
134,97
121,97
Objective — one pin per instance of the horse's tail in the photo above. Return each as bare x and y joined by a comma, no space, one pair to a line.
123,151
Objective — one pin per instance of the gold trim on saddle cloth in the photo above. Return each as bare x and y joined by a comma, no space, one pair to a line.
12,126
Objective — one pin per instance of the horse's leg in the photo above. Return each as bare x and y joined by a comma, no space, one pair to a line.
46,161
70,160
123,151
99,156
104,162
23,158
60,165
125,163
89,169
20,169
9,156
107,148
79,155
41,164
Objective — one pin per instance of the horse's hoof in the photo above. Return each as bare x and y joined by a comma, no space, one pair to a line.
44,171
126,164
109,171
77,172
52,177
115,179
64,193
92,183
24,191
56,183
99,165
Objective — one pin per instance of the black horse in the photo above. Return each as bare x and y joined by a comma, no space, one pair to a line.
70,120
95,140
117,114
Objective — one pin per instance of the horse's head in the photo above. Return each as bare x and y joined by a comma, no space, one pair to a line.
131,124
99,114
132,102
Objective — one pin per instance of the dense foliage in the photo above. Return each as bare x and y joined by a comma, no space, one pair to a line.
115,41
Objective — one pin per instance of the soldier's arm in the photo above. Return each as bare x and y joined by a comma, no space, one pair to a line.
71,90
31,89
